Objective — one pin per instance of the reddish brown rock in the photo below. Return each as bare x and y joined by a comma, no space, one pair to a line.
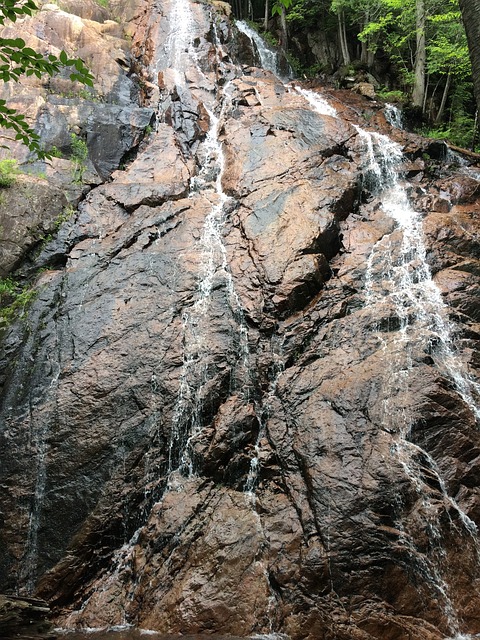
232,419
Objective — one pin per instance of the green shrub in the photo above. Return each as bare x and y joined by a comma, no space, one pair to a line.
391,95
459,131
79,148
8,172
7,288
54,152
79,155
66,214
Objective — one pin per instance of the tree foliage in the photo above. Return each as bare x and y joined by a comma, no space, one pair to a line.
17,60
418,47
280,5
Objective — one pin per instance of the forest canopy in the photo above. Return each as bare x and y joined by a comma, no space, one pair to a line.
416,50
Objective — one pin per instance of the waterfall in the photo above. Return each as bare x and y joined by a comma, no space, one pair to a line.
393,115
415,298
39,443
400,283
213,278
269,58
319,104
177,54
411,286
250,439
30,557
187,421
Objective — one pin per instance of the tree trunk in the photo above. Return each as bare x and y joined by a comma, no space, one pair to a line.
420,56
265,19
366,54
471,19
439,116
342,36
284,32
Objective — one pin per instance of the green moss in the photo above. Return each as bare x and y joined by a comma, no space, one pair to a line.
66,214
14,300
8,172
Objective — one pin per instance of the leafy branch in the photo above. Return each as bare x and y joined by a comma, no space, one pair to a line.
18,60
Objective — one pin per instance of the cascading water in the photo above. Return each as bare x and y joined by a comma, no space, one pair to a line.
177,54
319,104
276,460
39,443
393,115
187,421
269,59
399,285
411,286
399,282
30,557
213,275
416,299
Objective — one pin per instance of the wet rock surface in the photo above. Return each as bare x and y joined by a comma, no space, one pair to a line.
220,415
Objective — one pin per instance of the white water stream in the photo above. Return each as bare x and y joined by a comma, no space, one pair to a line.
214,271
407,283
176,59
269,59
319,104
393,115
399,285
178,47
39,434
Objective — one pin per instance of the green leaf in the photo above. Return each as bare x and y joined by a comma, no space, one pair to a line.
17,61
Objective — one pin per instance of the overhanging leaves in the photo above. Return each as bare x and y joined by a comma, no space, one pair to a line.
18,60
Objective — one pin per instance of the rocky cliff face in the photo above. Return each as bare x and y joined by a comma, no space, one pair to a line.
241,402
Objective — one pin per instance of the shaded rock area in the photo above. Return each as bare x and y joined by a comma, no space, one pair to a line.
29,211
24,618
226,412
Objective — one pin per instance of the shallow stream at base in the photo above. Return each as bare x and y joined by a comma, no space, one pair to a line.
136,634
142,634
